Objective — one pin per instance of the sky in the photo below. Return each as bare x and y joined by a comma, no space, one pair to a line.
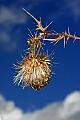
60,100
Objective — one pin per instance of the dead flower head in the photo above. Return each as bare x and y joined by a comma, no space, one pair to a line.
33,71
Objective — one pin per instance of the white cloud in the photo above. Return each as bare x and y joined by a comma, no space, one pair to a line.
66,8
68,109
11,15
9,18
74,6
6,42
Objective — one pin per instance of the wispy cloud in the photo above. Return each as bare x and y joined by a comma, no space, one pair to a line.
11,15
66,8
62,7
74,7
6,42
9,18
68,109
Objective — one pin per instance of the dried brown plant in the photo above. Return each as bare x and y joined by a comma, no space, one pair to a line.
35,69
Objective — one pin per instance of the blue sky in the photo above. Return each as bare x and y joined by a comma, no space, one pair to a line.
13,41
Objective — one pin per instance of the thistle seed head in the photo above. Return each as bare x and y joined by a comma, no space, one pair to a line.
33,71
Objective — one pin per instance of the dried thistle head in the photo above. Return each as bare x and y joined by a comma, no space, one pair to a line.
33,71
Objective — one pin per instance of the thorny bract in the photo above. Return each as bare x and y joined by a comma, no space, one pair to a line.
35,69
44,34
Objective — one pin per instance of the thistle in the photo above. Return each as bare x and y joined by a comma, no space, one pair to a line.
35,69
